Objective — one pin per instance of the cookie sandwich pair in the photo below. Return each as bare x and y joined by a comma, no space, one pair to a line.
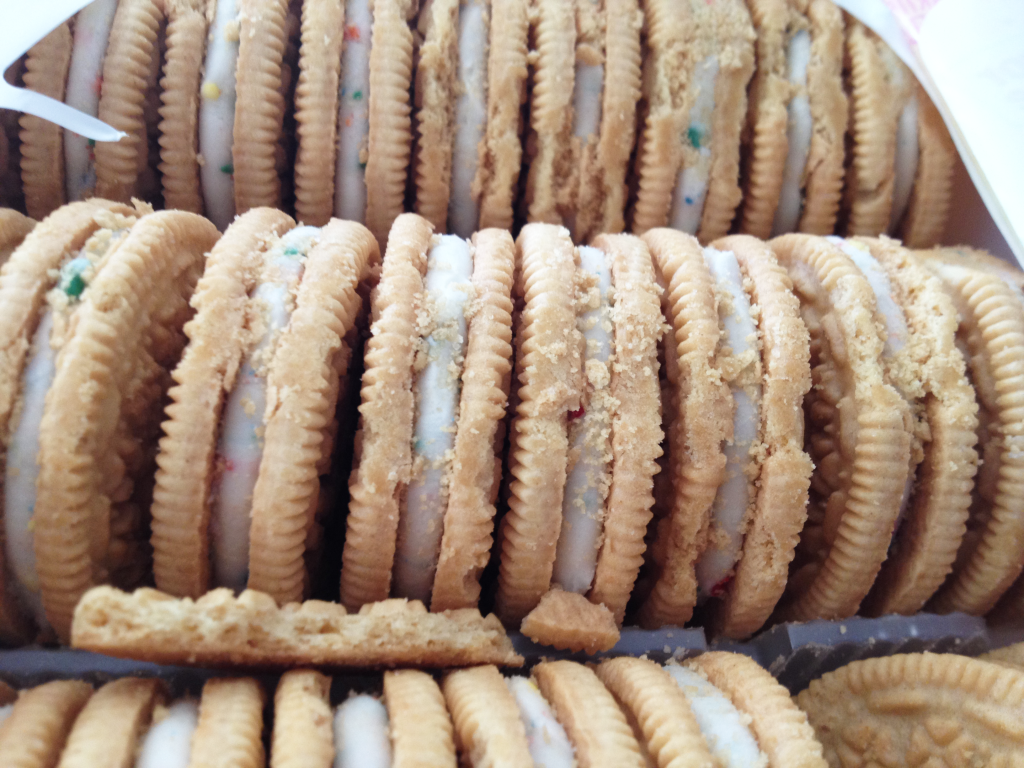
94,300
134,721
245,464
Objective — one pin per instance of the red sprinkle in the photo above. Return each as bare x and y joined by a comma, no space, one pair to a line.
719,589
352,32
573,415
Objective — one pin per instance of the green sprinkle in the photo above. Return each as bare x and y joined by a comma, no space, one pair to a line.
357,95
362,166
694,135
228,168
291,250
75,286
92,142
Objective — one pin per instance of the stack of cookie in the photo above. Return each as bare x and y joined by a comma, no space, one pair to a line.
759,117
643,430
717,709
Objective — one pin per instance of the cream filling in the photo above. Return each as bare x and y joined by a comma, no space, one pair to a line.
905,167
586,101
168,743
217,116
692,180
354,113
799,129
546,738
436,392
716,563
240,447
470,117
586,485
85,78
722,725
21,469
361,737
896,332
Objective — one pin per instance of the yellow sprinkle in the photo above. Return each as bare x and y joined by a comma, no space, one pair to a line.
210,91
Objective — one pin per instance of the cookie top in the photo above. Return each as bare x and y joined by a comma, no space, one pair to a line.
859,436
913,708
38,726
230,725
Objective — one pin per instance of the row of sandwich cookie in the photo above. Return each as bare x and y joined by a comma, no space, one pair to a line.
590,392
718,709
767,117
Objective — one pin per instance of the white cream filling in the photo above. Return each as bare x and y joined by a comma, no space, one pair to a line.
723,726
715,565
436,392
22,469
217,116
240,447
85,78
692,180
905,167
361,737
168,744
799,129
5,712
353,112
586,101
470,117
546,738
589,435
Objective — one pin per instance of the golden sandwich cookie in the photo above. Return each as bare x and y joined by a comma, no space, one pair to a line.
94,302
245,462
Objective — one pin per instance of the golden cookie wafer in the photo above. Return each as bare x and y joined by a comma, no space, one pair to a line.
469,517
302,721
33,735
14,227
879,85
259,105
42,142
181,497
547,371
488,728
830,112
660,710
859,436
735,52
179,110
568,621
927,212
781,728
552,175
131,70
132,313
390,137
603,164
501,151
598,729
780,507
24,280
636,424
931,373
311,358
436,89
775,21
316,109
229,733
220,629
698,419
918,709
384,446
992,335
421,729
107,730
